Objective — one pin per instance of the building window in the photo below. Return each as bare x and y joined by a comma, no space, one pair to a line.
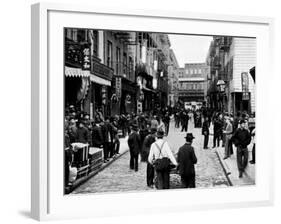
200,71
187,71
95,42
109,54
191,71
82,36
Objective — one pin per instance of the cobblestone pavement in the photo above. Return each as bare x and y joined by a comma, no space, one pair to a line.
118,177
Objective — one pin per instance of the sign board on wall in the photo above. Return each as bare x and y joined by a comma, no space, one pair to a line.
245,86
118,86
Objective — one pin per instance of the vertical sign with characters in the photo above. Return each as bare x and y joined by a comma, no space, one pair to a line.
86,58
245,86
118,86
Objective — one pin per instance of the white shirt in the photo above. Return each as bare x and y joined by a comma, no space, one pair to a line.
154,152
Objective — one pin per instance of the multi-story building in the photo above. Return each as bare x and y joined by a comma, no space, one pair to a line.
151,70
231,87
193,82
115,71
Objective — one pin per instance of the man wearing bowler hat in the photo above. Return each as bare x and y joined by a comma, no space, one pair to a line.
186,160
134,143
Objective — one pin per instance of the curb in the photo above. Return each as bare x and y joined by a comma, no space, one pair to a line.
85,179
225,168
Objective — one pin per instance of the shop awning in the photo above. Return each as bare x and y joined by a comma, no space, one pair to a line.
99,80
253,73
76,72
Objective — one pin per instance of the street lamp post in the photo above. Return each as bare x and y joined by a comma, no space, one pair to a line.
221,88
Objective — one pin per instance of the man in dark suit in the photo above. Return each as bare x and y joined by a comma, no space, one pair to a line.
97,136
241,139
205,131
184,120
134,143
107,138
186,160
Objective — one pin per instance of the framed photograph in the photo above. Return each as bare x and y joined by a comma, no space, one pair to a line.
153,109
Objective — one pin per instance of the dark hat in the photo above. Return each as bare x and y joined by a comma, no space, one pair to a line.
189,136
160,133
242,121
134,126
153,130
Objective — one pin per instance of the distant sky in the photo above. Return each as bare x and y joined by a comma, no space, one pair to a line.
190,48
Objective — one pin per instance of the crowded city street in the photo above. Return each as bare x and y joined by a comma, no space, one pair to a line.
143,112
119,177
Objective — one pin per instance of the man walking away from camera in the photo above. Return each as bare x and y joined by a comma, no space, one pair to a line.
206,132
134,144
160,149
186,160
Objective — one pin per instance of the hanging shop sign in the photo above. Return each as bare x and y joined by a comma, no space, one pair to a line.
245,86
118,86
86,62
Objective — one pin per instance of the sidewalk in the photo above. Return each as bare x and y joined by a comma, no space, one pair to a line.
230,168
122,150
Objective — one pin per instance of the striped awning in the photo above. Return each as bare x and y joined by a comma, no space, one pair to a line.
76,72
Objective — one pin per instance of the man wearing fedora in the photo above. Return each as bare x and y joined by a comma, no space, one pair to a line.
158,150
186,160
134,143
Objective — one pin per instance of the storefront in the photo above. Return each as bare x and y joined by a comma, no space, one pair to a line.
76,87
101,77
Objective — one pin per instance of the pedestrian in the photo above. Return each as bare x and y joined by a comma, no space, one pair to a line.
186,160
228,134
149,139
177,119
161,125
206,132
217,127
72,130
134,147
154,122
97,137
166,121
184,120
82,134
253,133
116,141
160,150
107,139
242,139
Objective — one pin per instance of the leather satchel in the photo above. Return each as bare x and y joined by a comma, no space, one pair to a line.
162,164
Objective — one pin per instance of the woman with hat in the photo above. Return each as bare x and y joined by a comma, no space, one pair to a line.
186,161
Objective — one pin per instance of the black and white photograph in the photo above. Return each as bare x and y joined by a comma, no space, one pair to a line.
147,111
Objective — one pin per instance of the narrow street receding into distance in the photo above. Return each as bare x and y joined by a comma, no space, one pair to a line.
117,177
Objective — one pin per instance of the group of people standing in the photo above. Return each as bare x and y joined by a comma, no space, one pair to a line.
160,159
231,131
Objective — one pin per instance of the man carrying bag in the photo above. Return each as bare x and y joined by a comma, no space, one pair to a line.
160,156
